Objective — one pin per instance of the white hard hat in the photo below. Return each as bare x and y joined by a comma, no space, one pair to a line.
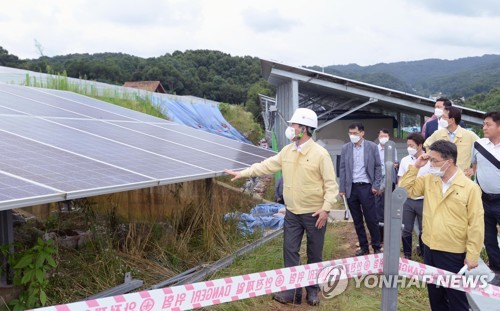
305,116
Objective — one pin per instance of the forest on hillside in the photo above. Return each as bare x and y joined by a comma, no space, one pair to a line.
203,73
459,78
215,75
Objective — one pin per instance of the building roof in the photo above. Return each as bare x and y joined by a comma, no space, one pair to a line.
151,86
321,89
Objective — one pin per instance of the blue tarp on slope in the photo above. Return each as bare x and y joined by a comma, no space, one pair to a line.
261,217
203,116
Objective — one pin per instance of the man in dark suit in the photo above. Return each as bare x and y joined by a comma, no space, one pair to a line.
360,178
433,124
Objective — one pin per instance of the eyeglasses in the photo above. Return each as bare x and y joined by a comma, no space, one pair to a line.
434,160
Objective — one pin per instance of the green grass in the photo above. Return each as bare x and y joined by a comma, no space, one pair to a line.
124,99
269,257
243,120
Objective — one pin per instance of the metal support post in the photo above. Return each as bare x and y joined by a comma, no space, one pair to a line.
6,238
393,210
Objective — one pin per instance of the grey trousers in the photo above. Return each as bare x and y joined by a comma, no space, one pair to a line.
411,209
293,230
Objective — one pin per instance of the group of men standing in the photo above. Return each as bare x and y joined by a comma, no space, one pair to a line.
448,204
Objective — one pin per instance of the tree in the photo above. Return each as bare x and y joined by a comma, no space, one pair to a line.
8,60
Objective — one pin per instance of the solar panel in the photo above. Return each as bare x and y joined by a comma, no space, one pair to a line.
15,192
60,145
29,107
94,108
190,133
98,148
59,169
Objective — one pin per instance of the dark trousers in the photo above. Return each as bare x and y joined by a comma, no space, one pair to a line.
491,219
379,209
362,205
293,230
411,209
442,298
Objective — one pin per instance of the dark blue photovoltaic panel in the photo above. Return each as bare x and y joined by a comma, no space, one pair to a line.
30,107
12,188
59,145
4,110
59,169
190,133
168,144
218,145
37,103
94,108
100,149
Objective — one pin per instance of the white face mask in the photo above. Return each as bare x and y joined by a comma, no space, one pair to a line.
436,171
354,138
438,112
383,140
290,133
443,123
412,151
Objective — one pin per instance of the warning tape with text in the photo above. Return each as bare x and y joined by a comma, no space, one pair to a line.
201,294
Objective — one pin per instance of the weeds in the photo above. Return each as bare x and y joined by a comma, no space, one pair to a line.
190,231
30,267
131,100
243,120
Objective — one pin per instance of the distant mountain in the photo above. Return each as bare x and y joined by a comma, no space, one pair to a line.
463,77
232,79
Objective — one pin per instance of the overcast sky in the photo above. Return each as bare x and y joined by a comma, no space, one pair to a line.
313,32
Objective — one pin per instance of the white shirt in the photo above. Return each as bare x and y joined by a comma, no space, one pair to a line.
439,125
410,160
488,176
381,151
451,135
299,147
446,185
358,164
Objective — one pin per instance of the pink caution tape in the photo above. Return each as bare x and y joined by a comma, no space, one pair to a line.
409,268
197,295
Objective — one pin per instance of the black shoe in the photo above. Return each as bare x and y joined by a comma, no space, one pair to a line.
418,251
377,251
407,256
496,280
362,252
312,298
285,298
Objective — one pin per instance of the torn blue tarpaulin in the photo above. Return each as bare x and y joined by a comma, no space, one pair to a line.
195,113
261,217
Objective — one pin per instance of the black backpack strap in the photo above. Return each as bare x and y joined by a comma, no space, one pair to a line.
487,154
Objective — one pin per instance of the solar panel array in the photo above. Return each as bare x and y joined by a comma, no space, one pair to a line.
59,145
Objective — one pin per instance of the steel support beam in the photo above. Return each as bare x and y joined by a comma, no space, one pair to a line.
372,100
